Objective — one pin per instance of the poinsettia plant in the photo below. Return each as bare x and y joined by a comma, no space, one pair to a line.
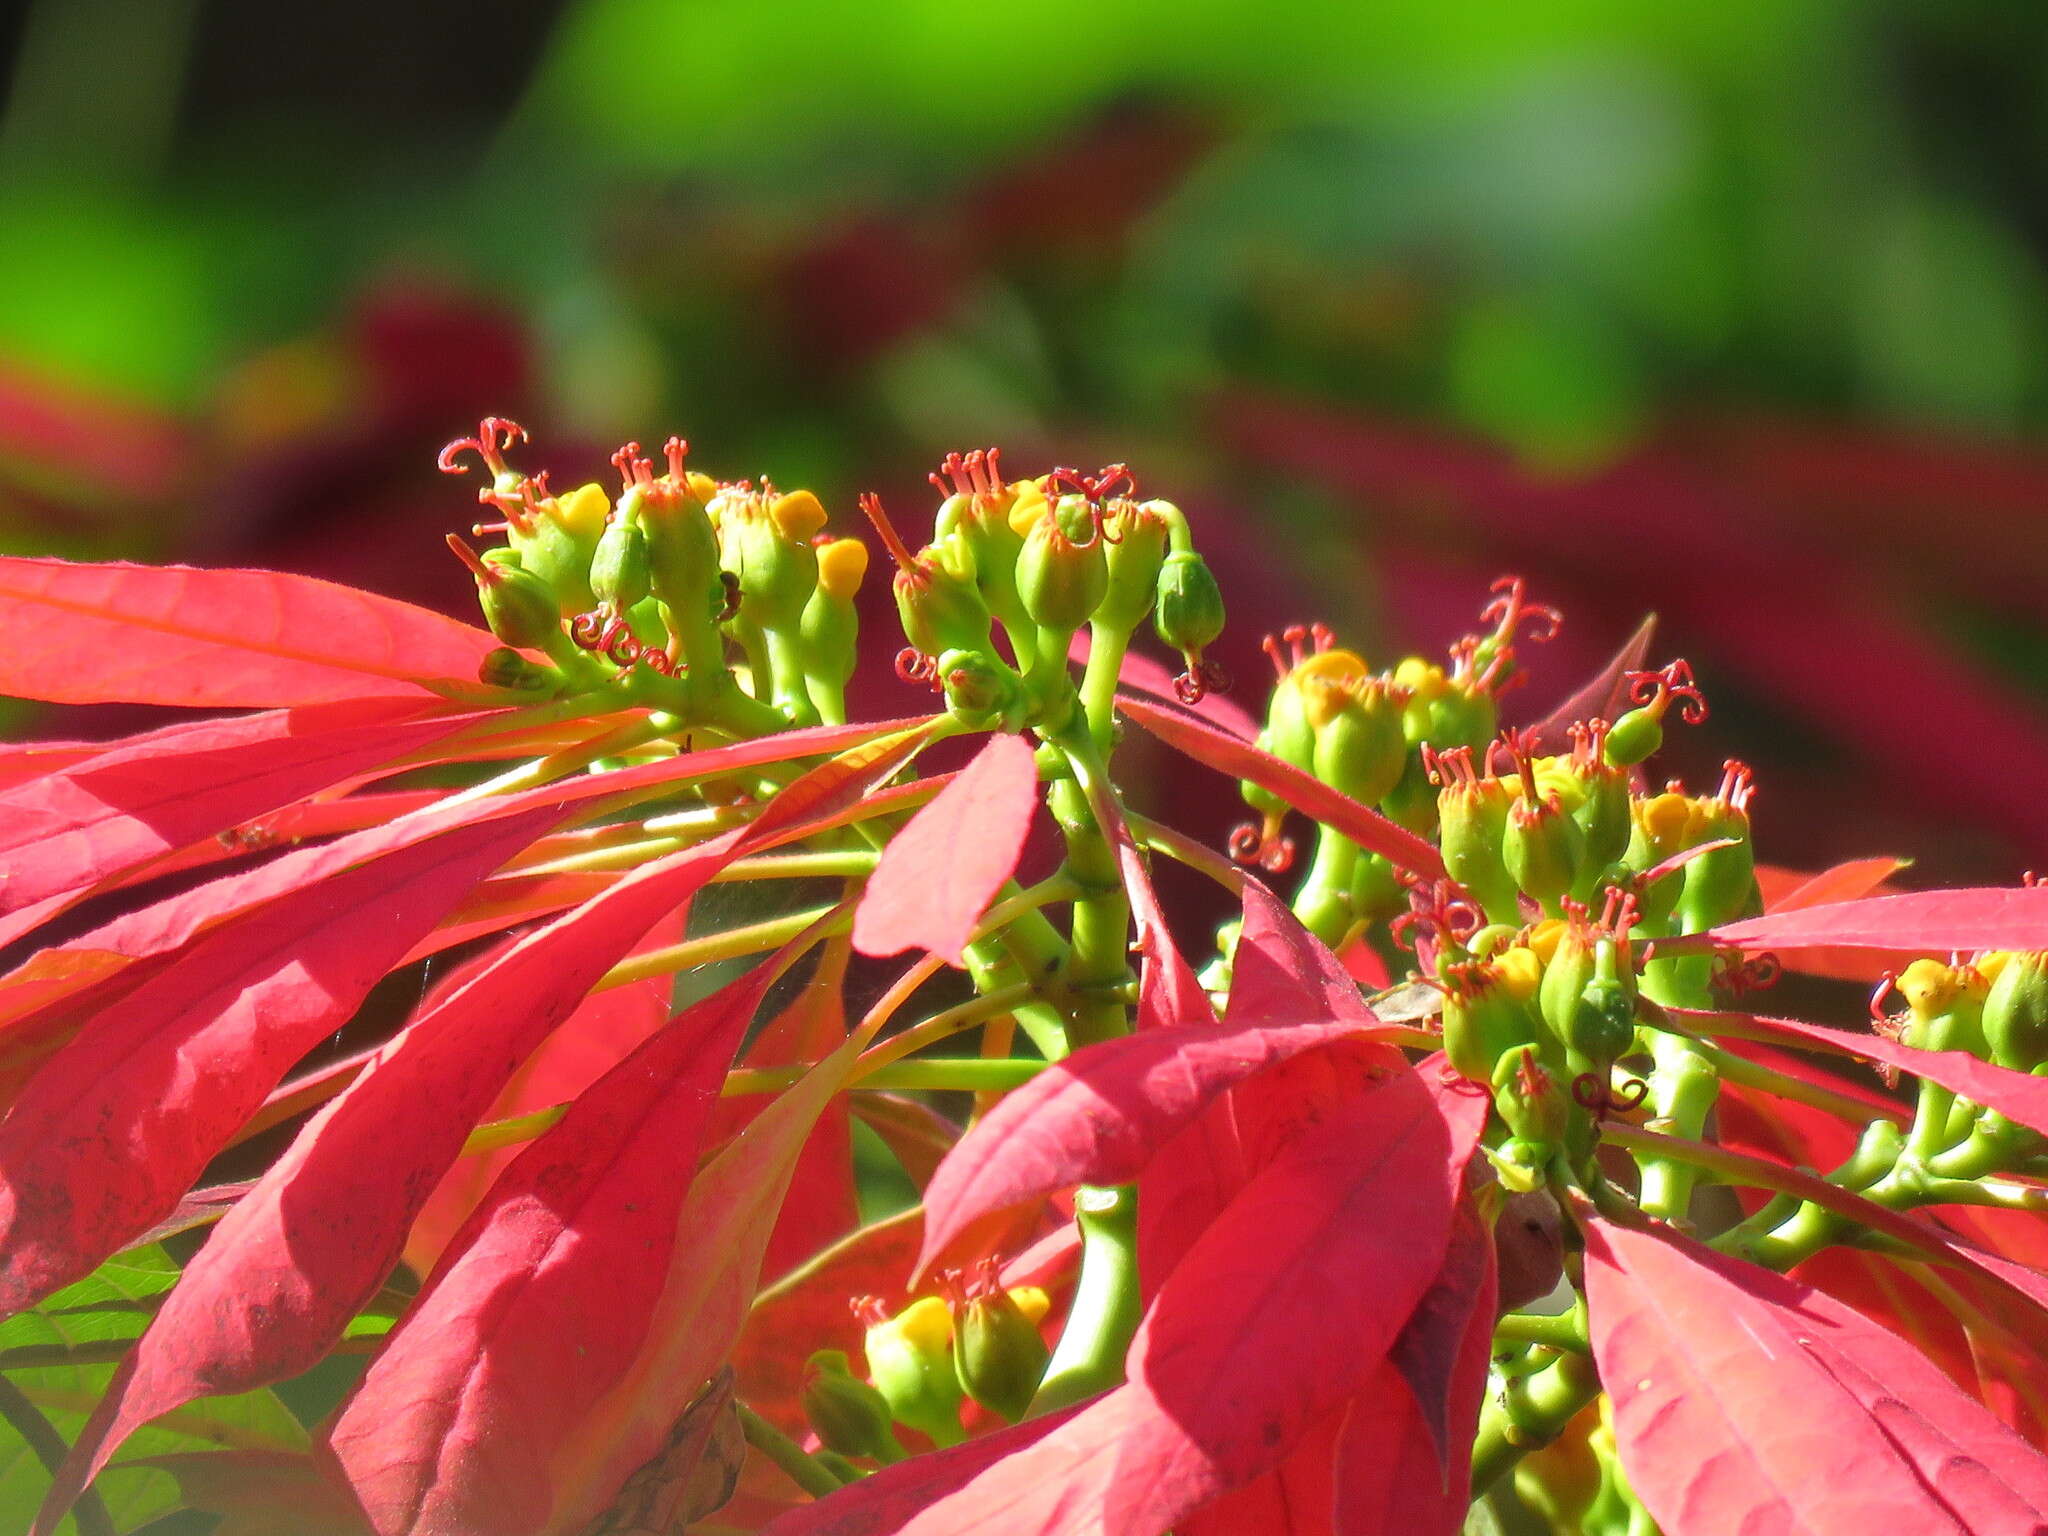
1469,1165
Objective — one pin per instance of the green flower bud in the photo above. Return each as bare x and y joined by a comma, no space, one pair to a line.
831,624
998,1353
1600,803
2016,1010
1376,894
620,572
1544,850
1531,1104
1947,1007
682,545
507,668
1473,813
1661,826
519,607
849,1415
764,540
1359,750
981,692
910,1361
1488,1011
1189,615
1720,885
1136,537
936,598
1062,575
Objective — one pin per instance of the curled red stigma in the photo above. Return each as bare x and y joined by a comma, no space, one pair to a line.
587,629
1737,974
494,434
1657,689
1254,845
1590,1093
914,666
906,562
1201,679
1439,911
1511,610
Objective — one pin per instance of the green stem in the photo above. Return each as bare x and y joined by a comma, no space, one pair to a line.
1532,1413
1104,1316
803,1469
1106,647
1563,1330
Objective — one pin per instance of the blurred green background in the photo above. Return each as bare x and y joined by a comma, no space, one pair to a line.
1734,311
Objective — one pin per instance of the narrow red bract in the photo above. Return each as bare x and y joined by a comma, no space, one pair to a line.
1915,923
110,1132
67,831
1745,1402
545,1296
1604,697
144,634
1313,798
940,872
2020,1096
278,1280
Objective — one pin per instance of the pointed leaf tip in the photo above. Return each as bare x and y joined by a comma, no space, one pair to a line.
940,872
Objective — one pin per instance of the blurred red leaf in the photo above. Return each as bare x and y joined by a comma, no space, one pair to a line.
1787,890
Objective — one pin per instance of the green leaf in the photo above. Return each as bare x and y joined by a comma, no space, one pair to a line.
112,1304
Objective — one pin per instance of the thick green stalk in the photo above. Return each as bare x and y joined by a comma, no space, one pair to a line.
1090,1356
1530,1414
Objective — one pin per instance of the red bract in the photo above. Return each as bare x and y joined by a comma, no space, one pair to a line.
1800,1417
94,634
1914,923
2018,1095
107,1135
382,984
1227,754
124,807
941,871
498,1359
1101,1115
